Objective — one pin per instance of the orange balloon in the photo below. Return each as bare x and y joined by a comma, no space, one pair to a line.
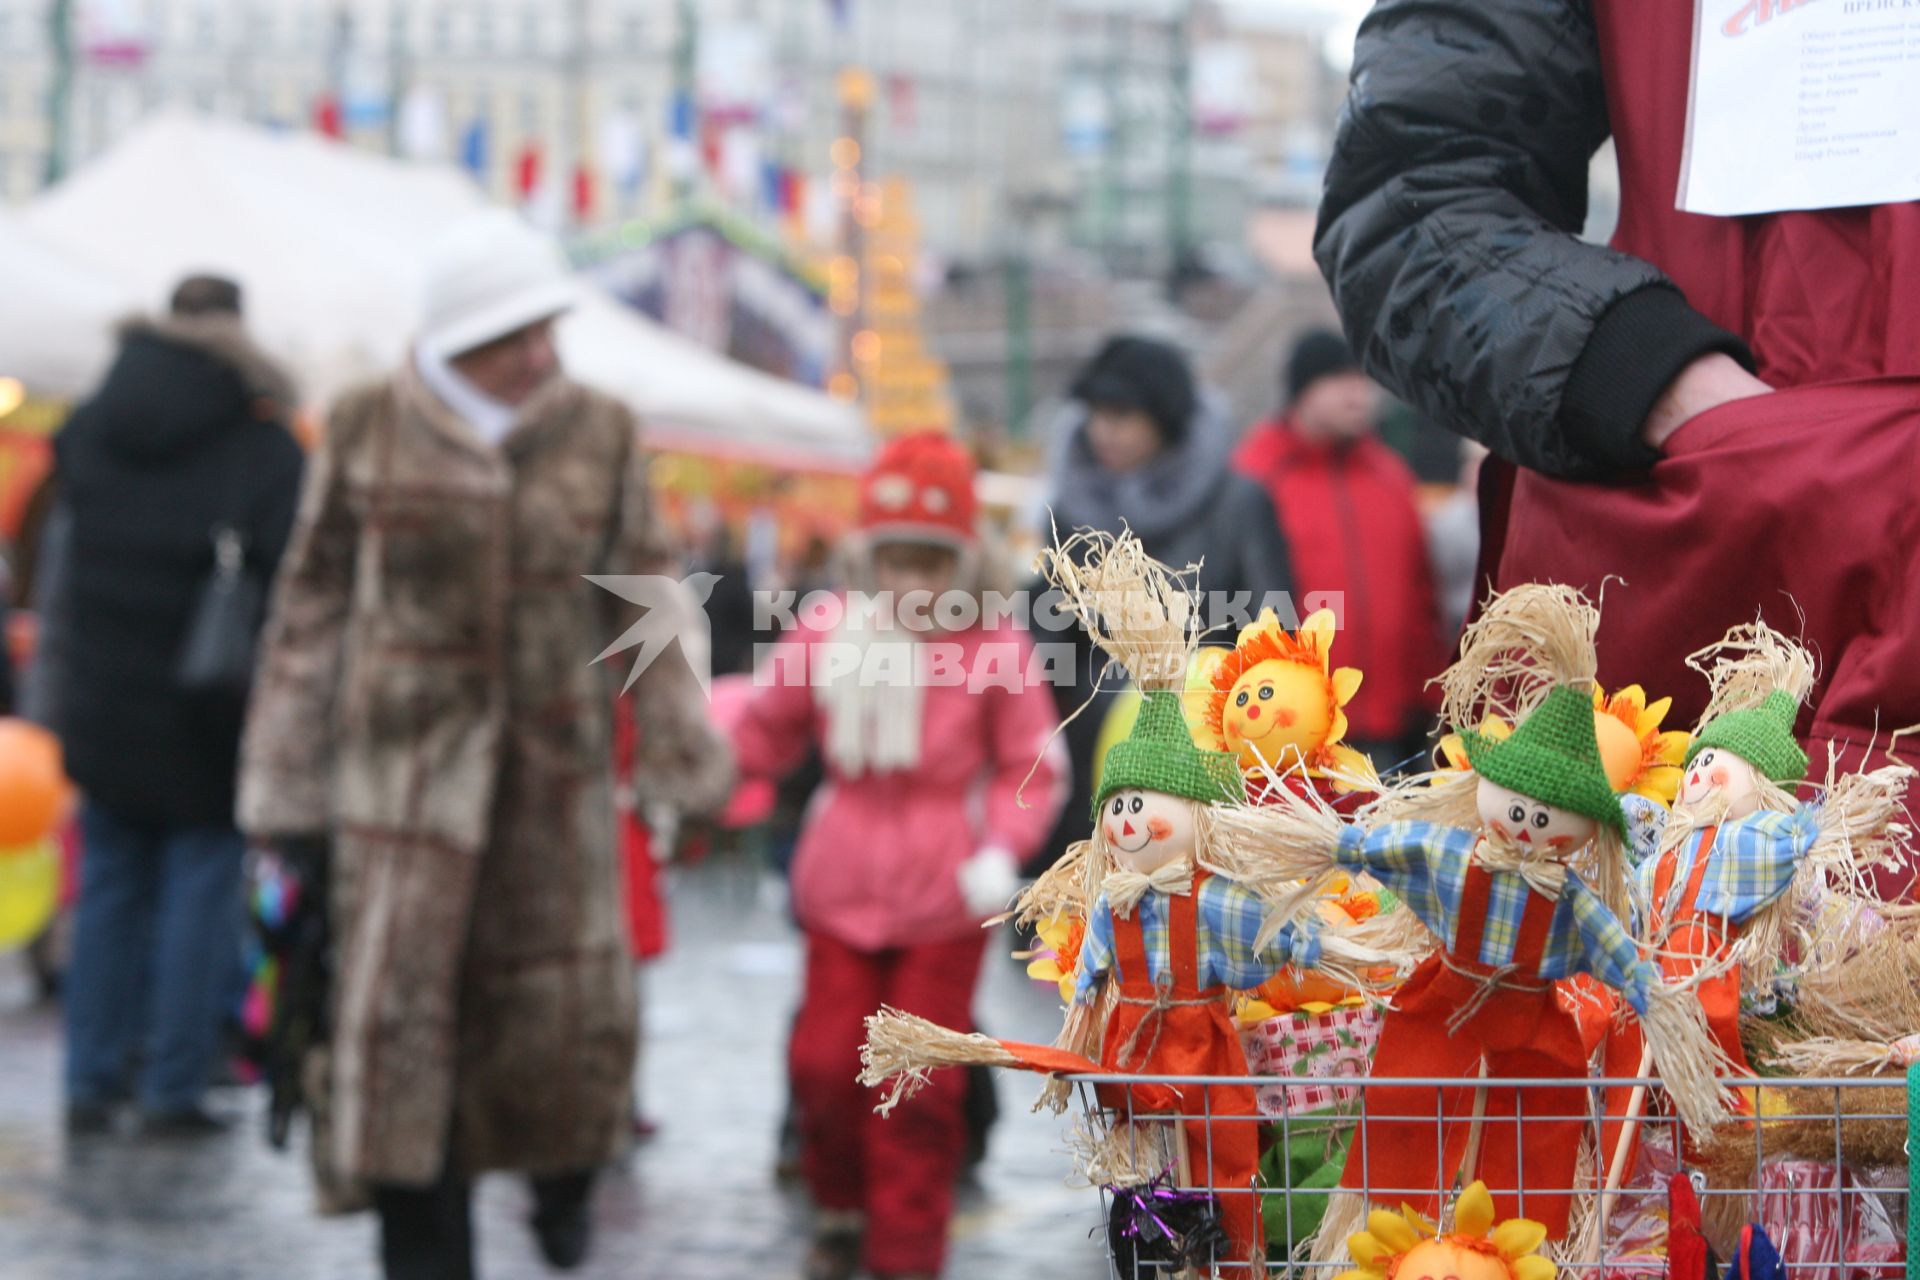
33,786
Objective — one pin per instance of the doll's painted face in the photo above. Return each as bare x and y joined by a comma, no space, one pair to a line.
1147,829
1716,770
1531,824
1277,713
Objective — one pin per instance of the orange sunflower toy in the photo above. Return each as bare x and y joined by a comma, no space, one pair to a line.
1276,701
1405,1246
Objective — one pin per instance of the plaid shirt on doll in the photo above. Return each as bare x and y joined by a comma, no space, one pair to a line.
1426,865
1751,863
1226,922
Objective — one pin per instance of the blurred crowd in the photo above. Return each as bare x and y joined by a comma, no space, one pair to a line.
357,798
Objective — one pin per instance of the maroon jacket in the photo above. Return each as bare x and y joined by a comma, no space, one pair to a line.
1457,182
1798,506
1353,528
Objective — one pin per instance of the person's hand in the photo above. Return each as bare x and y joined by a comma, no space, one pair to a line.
988,881
1709,381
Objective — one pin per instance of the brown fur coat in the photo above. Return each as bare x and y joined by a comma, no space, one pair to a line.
426,697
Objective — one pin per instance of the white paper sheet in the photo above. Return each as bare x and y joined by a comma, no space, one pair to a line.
1802,104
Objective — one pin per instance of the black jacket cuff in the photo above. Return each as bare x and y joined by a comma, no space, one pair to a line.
1639,346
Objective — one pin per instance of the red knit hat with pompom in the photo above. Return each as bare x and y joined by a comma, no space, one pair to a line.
920,489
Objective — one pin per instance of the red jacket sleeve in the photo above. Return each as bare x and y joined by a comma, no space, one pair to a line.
780,723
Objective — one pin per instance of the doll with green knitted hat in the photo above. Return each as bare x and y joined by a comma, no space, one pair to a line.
1741,852
1165,939
1515,868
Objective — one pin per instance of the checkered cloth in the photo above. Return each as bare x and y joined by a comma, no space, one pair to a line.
1427,864
1311,1051
1751,863
1225,924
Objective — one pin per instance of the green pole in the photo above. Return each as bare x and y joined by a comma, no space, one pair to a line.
686,49
1019,344
1180,181
60,90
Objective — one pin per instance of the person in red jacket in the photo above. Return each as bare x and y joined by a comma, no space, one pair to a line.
1346,503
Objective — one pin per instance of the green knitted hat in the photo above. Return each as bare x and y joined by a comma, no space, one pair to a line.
1762,736
1553,757
1159,755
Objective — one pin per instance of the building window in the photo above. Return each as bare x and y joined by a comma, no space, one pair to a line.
530,30
483,29
633,32
441,37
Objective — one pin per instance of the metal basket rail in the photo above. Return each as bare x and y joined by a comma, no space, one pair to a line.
1815,1133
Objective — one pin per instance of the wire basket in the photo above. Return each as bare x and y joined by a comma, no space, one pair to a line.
1823,1168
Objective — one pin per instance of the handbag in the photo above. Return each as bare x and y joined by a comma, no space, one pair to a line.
217,657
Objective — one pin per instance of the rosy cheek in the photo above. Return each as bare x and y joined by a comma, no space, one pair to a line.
1159,828
1559,842
1500,829
1719,777
1284,718
1112,834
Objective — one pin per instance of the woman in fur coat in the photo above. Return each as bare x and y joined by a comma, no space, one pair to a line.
428,701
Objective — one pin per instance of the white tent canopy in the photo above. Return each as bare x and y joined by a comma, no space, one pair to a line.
328,244
56,316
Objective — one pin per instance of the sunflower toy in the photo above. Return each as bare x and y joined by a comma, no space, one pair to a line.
1406,1246
1276,703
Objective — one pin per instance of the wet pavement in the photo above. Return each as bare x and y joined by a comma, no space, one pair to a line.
699,1202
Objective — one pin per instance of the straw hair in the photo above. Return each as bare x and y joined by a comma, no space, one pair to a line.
1346,1216
1526,641
1685,1054
1125,1154
1827,1056
1747,665
1138,611
1731,1158
902,1049
1861,980
1444,797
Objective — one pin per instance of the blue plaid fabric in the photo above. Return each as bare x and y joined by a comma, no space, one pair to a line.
1226,922
1751,863
1427,866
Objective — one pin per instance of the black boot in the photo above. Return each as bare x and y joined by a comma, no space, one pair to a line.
562,1218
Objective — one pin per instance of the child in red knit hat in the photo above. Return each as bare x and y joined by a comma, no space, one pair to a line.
913,841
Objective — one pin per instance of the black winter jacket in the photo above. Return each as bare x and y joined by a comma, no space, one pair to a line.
185,434
1448,232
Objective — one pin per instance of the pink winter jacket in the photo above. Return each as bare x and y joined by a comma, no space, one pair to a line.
880,853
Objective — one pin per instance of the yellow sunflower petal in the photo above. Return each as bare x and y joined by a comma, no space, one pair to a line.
1252,1011
1599,697
1453,751
1671,746
1337,728
1627,704
1366,1250
1318,631
1517,1237
1268,621
1068,984
1651,716
1392,1230
1362,1273
1495,729
1534,1267
1054,931
1473,1214
1046,969
1419,1221
1353,770
1346,683
1662,783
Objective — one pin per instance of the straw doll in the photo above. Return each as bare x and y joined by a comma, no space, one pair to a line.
1515,868
1166,940
1741,853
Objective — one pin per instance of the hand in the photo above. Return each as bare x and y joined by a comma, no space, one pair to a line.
988,880
1709,381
